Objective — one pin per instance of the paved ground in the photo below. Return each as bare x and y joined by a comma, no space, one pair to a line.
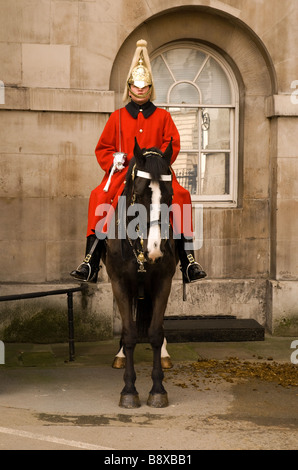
222,396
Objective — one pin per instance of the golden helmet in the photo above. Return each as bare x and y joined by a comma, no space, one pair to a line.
140,73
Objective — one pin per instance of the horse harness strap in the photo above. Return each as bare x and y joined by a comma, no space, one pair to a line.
141,271
89,255
144,174
140,257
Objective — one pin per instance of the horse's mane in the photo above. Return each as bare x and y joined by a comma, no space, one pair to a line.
128,181
152,164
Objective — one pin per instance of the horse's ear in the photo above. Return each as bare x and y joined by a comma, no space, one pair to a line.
168,152
138,153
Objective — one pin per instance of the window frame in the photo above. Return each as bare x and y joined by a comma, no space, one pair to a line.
216,200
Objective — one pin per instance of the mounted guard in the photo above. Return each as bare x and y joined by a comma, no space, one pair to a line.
153,127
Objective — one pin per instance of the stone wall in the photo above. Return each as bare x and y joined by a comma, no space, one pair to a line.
61,62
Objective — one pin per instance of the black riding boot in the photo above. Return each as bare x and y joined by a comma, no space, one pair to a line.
191,270
88,270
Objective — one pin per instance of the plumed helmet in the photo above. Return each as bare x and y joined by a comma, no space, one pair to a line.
140,73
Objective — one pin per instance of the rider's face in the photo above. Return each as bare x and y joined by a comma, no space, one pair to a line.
139,93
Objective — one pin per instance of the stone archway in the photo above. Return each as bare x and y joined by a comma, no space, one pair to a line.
236,248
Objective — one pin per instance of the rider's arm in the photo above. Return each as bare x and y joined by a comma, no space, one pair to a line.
108,143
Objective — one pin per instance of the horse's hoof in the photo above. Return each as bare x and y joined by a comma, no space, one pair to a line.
130,401
158,400
166,363
119,362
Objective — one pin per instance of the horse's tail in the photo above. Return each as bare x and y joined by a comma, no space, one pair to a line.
143,315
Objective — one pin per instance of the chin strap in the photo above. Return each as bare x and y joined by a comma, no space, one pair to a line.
144,95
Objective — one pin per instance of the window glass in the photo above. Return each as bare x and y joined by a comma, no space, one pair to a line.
187,123
214,173
163,80
214,84
199,90
184,63
184,93
215,128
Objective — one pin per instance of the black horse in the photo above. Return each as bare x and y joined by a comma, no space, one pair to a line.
141,260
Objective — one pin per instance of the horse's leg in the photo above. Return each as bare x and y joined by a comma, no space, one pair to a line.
166,362
158,397
119,359
129,395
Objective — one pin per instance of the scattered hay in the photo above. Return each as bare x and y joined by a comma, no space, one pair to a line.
195,374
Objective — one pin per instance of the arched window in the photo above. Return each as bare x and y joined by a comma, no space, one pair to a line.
197,86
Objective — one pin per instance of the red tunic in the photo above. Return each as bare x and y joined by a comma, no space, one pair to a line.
153,131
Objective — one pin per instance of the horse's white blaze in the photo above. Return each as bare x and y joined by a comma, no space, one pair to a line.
154,238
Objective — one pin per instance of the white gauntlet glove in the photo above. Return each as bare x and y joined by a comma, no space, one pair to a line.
118,165
119,159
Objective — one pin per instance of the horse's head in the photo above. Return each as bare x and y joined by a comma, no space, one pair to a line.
143,156
152,191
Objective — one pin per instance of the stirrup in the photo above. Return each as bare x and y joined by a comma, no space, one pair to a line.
192,262
90,276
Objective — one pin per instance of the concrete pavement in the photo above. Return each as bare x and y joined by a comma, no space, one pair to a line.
222,396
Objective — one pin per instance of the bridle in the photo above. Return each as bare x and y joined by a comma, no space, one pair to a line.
139,253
